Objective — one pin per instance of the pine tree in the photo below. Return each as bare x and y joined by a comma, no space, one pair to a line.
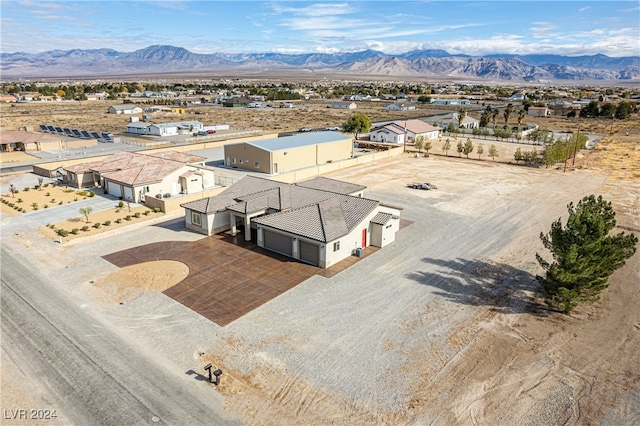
584,254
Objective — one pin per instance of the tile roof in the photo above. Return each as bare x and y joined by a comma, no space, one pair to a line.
178,156
331,185
382,218
9,136
415,126
324,221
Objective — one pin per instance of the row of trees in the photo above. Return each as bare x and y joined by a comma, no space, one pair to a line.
621,111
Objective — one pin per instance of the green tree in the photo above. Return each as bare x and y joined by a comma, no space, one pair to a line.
419,143
494,116
86,211
357,123
493,152
468,147
461,116
460,148
507,113
480,150
584,254
427,146
518,156
446,146
424,99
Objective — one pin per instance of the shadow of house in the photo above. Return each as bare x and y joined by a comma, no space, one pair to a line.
502,287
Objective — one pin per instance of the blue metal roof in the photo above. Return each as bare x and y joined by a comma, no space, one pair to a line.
288,142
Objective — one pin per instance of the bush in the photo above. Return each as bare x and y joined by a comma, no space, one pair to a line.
68,191
46,206
167,195
118,220
91,194
146,212
11,204
52,226
48,194
54,184
75,198
53,200
96,225
156,210
46,185
85,228
82,193
62,232
20,200
60,203
107,222
121,204
75,231
137,214
26,189
128,217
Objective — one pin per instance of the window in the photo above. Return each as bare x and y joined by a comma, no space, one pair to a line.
196,218
336,246
147,189
233,160
72,177
257,164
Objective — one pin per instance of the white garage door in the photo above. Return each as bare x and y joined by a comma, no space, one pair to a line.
114,189
279,243
128,193
310,253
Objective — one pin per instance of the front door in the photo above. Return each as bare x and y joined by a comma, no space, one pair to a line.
364,238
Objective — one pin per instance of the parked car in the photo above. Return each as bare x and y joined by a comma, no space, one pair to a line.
210,132
305,129
333,128
200,133
422,185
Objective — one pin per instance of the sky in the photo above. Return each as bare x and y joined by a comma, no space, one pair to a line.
460,27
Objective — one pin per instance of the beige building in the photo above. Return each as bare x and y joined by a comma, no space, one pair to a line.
288,153
132,176
21,140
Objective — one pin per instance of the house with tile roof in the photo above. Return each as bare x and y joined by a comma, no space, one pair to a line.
132,176
279,155
320,221
397,131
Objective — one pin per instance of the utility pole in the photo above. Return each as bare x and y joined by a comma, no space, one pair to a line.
575,147
404,147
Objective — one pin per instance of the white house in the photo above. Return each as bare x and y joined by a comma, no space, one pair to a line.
165,129
397,131
321,221
125,109
343,105
401,106
387,134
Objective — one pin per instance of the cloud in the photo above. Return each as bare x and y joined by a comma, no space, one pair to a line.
584,9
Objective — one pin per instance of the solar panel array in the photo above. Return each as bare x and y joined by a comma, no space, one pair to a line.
82,134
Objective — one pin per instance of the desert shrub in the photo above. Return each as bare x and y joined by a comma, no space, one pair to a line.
82,193
48,194
62,232
85,228
26,189
91,194
127,217
52,226
107,222
20,209
54,184
60,203
118,220
75,231
96,225
68,191
156,209
20,200
75,198
146,212
46,185
46,206
121,204
11,204
36,186
167,195
137,214
53,200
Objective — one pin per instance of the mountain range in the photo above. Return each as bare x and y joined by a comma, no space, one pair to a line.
433,63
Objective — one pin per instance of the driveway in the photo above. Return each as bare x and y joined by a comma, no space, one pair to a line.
228,276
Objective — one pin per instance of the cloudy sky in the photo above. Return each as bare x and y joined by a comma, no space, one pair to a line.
469,27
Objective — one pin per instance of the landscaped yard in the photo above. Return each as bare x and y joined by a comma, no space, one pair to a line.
29,199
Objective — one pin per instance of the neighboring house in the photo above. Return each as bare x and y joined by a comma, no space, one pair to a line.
319,222
516,97
188,101
401,106
538,111
288,153
8,98
397,131
131,175
165,129
450,101
467,122
21,140
343,105
125,109
236,102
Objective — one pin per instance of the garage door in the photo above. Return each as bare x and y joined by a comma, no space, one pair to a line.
128,193
114,189
310,253
278,243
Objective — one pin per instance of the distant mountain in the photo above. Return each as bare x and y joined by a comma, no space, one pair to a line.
417,63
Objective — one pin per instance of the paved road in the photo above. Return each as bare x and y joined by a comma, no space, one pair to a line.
89,373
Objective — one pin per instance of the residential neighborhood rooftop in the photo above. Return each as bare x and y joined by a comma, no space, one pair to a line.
288,142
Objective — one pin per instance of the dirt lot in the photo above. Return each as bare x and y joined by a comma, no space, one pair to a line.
445,326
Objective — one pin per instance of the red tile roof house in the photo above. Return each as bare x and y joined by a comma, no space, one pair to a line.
131,175
321,221
394,132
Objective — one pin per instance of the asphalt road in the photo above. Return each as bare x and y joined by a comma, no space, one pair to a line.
90,373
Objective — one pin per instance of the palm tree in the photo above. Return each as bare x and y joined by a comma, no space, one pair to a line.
507,113
461,115
494,116
521,115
